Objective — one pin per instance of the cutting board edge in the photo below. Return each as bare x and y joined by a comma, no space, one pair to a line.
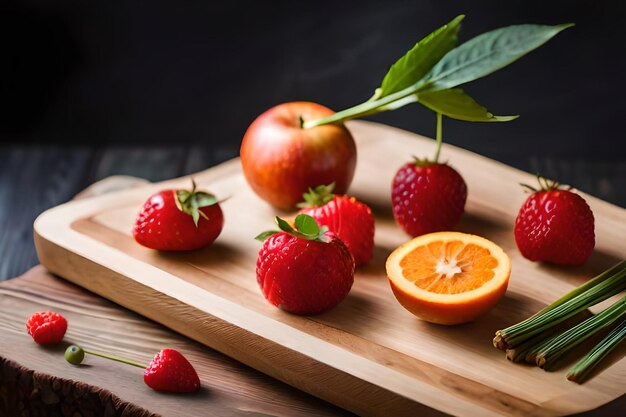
400,404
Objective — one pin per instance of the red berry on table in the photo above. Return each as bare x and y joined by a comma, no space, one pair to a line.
46,327
427,197
307,270
347,217
176,220
555,225
170,371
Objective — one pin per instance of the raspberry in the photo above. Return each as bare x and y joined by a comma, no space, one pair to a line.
46,327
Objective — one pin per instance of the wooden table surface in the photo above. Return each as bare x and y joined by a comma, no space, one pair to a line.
58,388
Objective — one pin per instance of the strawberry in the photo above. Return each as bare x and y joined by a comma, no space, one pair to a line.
306,270
169,371
348,218
555,225
179,220
46,327
427,197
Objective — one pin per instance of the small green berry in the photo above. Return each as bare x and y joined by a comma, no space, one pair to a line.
74,355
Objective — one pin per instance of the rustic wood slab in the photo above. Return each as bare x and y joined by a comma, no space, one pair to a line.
40,382
368,355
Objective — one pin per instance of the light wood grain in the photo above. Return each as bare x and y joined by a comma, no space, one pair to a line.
368,355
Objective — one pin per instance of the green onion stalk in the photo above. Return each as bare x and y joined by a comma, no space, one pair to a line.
517,338
581,371
549,353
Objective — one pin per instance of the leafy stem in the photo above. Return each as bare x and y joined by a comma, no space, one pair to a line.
430,72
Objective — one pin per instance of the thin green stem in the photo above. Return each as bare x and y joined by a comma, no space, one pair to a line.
439,136
582,369
367,108
117,358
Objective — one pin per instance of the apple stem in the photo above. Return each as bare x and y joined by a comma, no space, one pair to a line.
439,136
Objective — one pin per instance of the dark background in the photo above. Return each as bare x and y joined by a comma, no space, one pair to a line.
163,88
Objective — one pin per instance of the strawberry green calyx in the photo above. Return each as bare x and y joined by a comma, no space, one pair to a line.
546,185
318,196
190,202
305,228
422,162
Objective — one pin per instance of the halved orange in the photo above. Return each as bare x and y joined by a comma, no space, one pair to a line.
448,277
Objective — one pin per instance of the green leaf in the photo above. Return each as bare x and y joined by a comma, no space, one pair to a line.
283,225
182,196
412,67
195,212
190,202
264,235
487,53
204,199
307,225
306,228
455,104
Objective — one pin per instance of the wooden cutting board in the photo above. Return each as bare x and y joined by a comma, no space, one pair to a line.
368,355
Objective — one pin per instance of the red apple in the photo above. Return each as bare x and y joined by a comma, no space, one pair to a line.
281,160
